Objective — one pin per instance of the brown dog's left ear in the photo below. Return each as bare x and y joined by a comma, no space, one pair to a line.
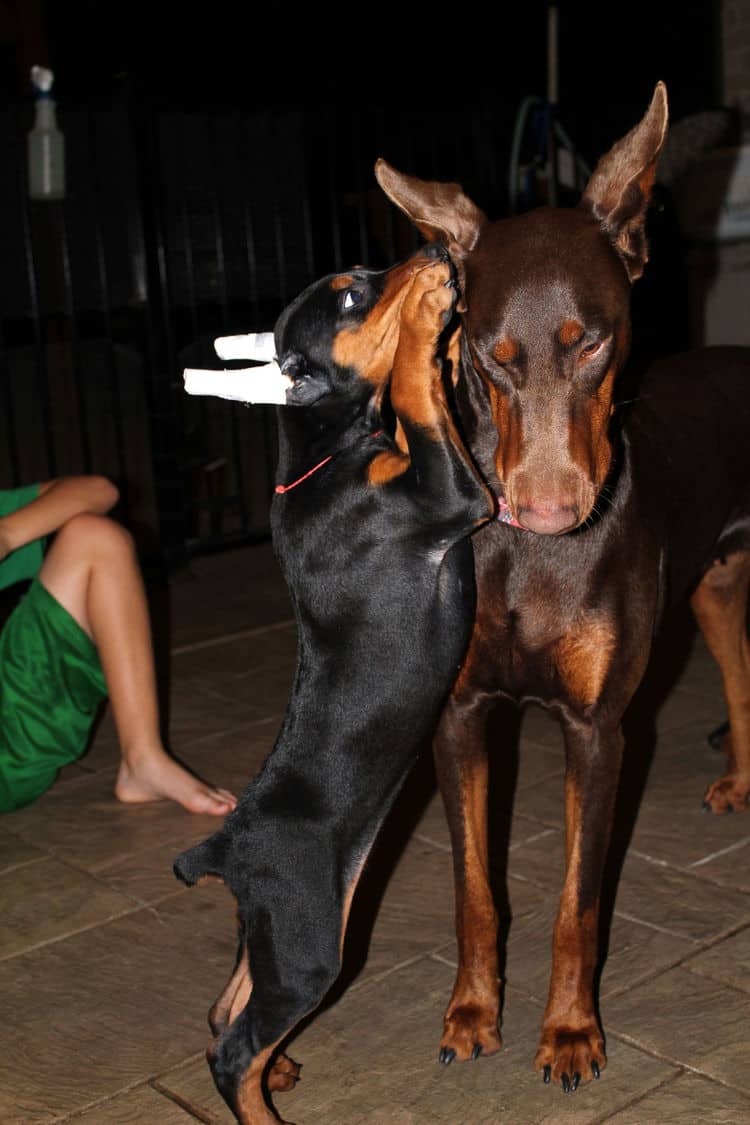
619,190
440,212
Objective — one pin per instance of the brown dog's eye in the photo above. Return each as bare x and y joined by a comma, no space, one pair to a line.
589,351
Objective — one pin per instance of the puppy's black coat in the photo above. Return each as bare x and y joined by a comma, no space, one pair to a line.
371,529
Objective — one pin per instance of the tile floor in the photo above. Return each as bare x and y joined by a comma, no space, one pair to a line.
108,966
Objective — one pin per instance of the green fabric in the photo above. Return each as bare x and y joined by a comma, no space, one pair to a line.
26,561
51,685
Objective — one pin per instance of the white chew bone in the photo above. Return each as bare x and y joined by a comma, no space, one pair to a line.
246,384
252,345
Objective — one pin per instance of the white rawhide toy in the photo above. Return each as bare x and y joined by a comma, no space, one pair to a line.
265,383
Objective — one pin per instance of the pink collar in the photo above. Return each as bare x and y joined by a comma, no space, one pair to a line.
504,513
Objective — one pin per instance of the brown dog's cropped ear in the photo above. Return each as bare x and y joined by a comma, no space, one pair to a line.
440,212
619,191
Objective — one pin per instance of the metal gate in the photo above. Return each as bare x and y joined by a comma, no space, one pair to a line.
176,228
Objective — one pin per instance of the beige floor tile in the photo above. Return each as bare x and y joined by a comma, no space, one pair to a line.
696,842
85,825
539,856
241,658
142,1106
131,848
233,757
685,1100
14,851
192,1083
225,593
414,913
46,900
147,876
729,865
635,952
695,713
678,903
106,1009
542,804
691,1021
373,1058
414,910
541,726
196,711
540,764
728,961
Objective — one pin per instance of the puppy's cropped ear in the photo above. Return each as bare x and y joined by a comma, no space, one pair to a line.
619,191
440,211
203,860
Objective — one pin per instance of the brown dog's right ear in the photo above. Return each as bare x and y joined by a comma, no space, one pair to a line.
619,191
440,211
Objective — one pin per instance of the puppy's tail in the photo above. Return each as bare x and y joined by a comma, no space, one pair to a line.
206,859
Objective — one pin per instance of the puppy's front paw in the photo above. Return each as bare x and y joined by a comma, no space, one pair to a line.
434,296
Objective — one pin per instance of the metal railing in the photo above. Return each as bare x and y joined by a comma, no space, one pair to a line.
176,228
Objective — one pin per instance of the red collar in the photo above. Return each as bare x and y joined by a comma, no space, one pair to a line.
281,488
309,473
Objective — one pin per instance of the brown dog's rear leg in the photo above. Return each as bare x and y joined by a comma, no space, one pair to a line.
720,606
461,760
571,1048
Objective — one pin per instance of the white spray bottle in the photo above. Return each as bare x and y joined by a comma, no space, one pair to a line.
46,144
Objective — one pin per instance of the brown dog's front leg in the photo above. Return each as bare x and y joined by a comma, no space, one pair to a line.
472,1015
571,1048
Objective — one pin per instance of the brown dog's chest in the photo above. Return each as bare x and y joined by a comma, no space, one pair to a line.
539,633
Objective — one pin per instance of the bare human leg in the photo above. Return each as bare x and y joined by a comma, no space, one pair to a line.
92,570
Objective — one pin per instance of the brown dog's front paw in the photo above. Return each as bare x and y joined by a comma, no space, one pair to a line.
571,1057
469,1032
728,794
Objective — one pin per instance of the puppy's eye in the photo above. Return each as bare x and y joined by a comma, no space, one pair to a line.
352,297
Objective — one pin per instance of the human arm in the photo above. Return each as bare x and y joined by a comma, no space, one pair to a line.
58,501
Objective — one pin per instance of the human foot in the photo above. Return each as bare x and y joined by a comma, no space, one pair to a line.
156,776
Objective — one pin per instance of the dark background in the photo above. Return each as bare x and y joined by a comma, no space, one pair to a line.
219,157
229,54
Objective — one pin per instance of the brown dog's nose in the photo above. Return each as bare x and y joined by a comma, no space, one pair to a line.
548,518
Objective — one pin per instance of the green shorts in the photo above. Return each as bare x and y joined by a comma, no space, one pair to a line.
51,686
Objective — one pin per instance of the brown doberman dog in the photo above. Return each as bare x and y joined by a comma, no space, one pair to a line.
614,515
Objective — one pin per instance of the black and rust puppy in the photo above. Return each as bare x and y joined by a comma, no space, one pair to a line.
372,534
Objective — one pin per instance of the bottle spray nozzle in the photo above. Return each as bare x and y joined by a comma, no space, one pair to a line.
42,79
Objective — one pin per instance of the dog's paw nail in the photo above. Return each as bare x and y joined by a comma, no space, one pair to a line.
547,1074
477,1051
595,1069
729,808
447,1055
565,1084
575,1083
705,807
